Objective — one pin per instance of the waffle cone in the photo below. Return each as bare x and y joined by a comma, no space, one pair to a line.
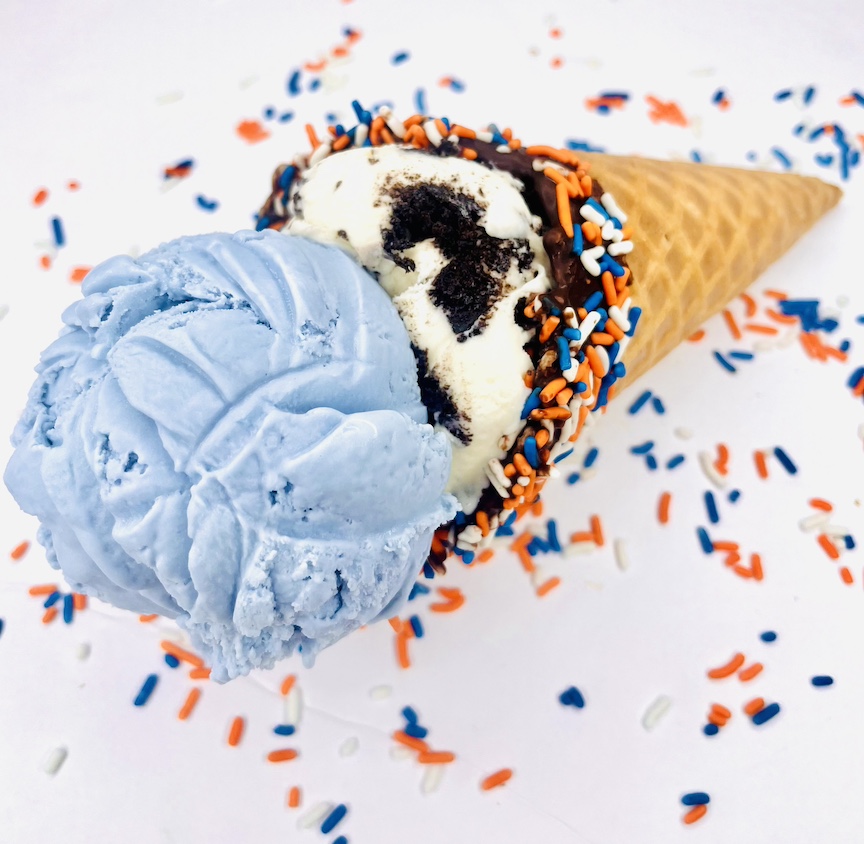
702,235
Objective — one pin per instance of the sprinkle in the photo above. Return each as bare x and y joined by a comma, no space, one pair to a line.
496,779
766,714
705,540
414,730
334,818
747,674
695,814
19,551
49,615
710,729
199,673
293,797
621,558
436,757
454,600
640,402
252,131
294,83
432,777
768,636
656,711
190,703
57,232
284,730
644,448
663,508
146,690
287,685
828,546
68,608
181,654
723,362
597,530
398,58
785,461
206,204
761,465
572,697
675,461
547,586
349,747
54,761
285,755
695,798
420,101
728,669
846,576
822,680
315,815
416,626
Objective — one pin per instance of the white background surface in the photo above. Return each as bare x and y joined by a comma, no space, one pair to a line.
111,94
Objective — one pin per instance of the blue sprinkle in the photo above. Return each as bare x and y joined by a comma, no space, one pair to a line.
783,95
533,400
695,798
286,116
675,461
400,57
711,507
858,97
552,534
642,449
504,531
824,159
420,101
855,377
659,407
428,571
619,370
822,680
591,457
284,729
781,157
171,661
695,156
785,461
734,495
315,84
538,546
580,387
52,599
269,113
849,542
416,731
410,714
57,229
146,690
456,85
634,315
564,359
572,697
1,626
614,95
531,453
340,840
206,204
639,403
333,818
294,83
799,129
768,636
578,242
582,146
600,210
262,223
710,729
766,714
818,132
723,362
809,94
418,589
68,608
414,621
572,333
563,456
741,355
651,462
593,300
287,177
705,540
573,478
719,94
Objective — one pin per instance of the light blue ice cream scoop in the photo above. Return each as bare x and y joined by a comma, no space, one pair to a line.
229,432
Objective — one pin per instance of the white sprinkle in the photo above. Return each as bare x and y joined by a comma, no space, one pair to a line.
604,358
248,82
432,133
472,535
54,761
431,778
656,711
861,431
813,521
587,326
617,236
836,531
396,127
293,707
570,318
380,692
623,343
608,230
624,247
314,816
618,318
82,652
706,461
496,471
503,148
621,557
399,752
170,97
592,215
485,137
683,433
587,546
609,203
589,259
349,746
360,135
323,149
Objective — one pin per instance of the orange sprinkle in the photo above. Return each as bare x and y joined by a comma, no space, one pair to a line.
73,184
522,466
781,318
189,704
696,336
79,601
847,576
749,304
395,623
463,132
236,733
563,156
417,744
282,755
50,615
663,508
721,710
745,675
668,112
587,185
547,586
756,566
45,262
562,399
288,684
582,536
728,669
695,814
594,361
43,589
741,571
252,131
601,338
549,327
181,654
199,674
732,559
341,142
482,520
78,274
402,649
547,394
520,548
20,550
717,719
720,464
828,546
436,757
734,330
754,706
313,136
591,232
776,294
761,465
537,509
40,196
554,412
485,555
820,504
760,329
542,436
454,601
496,779
293,797
597,531
146,619
725,546
612,328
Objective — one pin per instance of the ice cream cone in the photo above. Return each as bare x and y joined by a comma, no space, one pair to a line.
703,234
